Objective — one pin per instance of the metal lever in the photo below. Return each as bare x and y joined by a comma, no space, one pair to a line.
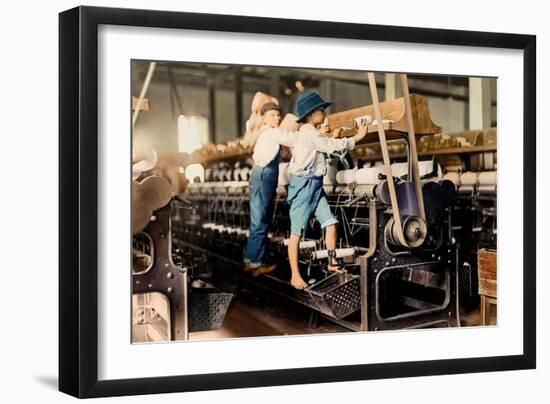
355,200
180,199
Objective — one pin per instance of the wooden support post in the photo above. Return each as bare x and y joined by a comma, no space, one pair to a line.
412,146
239,101
274,85
327,88
485,308
390,86
479,98
483,313
386,158
211,110
144,89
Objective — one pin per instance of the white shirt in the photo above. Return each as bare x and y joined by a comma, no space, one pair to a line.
268,144
251,136
310,151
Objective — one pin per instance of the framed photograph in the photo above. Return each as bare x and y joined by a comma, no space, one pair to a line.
251,202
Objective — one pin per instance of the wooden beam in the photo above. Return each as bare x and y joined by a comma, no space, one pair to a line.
394,111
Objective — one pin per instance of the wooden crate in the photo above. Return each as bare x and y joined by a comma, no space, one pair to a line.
487,272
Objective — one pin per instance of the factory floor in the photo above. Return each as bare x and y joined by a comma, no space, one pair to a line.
250,315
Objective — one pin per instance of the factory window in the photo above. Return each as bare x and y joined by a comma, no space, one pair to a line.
192,133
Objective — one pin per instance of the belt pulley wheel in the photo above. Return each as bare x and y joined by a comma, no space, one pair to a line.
414,231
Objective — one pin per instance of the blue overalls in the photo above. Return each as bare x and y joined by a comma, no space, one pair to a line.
262,187
307,198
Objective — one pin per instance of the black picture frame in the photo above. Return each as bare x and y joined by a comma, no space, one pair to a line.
78,196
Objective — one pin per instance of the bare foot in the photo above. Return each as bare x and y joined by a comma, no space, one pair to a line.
298,282
334,268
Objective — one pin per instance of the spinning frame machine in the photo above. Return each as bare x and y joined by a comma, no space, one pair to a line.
396,250
401,264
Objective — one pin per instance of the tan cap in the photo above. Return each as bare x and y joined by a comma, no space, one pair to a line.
268,106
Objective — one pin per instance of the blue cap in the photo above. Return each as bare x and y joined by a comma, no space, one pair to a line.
307,103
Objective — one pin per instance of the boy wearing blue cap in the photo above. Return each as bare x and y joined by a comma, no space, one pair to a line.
306,196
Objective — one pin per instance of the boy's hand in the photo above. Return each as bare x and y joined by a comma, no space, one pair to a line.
324,129
336,133
361,133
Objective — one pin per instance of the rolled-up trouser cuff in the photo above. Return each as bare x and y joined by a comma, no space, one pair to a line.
328,222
